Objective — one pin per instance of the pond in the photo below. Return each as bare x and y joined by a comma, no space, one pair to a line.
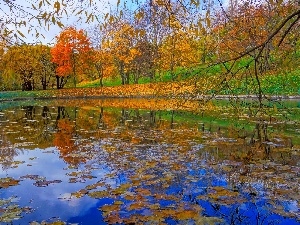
145,161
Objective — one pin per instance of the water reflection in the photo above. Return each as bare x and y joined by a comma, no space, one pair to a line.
95,165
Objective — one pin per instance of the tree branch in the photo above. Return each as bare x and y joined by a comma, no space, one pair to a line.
288,30
270,37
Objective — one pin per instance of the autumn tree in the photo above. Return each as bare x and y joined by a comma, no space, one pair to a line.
28,66
251,38
102,62
45,72
146,19
71,54
179,50
121,42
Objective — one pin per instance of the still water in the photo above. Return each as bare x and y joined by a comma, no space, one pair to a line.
98,162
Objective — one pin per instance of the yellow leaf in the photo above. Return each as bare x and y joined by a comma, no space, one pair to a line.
186,215
79,12
89,17
110,208
21,33
60,24
57,6
53,19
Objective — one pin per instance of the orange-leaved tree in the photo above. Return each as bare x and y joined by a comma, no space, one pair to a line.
71,54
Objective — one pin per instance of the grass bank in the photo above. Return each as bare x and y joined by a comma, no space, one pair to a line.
280,86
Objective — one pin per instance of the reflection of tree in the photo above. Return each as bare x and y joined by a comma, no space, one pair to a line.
63,138
124,116
172,120
63,135
152,118
29,112
7,139
101,122
44,134
7,154
61,113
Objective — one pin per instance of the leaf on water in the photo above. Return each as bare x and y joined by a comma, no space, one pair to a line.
118,203
80,193
147,177
129,196
208,220
227,168
110,208
136,182
32,177
164,213
153,219
8,181
151,164
142,191
99,194
12,212
56,223
186,215
221,192
122,189
155,206
16,163
44,183
94,186
136,206
166,197
114,219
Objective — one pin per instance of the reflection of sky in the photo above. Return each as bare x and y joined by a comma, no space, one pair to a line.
45,200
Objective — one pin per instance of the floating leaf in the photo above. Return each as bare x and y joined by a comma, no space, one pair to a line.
186,215
7,182
99,194
136,206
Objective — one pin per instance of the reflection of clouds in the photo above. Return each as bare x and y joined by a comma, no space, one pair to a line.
45,200
292,206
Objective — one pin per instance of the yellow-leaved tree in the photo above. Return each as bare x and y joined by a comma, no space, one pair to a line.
28,67
121,43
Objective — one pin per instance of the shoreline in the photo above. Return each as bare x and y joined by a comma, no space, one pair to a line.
187,97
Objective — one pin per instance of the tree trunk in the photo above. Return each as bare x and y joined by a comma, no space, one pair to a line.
57,82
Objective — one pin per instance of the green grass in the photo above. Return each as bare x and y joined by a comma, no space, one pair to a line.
279,84
178,75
